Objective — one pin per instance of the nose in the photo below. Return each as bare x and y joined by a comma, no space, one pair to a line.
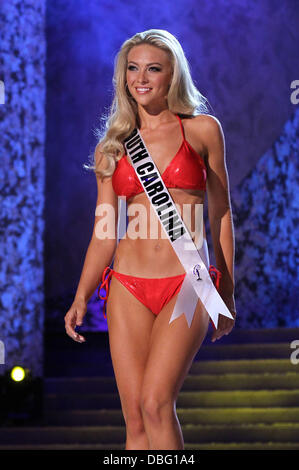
142,78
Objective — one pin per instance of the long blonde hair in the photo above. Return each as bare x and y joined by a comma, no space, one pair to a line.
183,97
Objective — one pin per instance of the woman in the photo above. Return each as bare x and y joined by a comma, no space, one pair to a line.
151,356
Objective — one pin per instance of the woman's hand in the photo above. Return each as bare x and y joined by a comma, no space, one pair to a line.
73,318
225,324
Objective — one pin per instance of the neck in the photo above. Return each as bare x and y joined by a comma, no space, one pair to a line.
153,120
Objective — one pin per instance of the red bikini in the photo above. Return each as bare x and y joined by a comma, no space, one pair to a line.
154,293
186,170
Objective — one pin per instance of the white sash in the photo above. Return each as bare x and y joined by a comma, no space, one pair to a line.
197,282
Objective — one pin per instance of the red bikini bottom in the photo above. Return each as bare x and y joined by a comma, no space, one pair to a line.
154,293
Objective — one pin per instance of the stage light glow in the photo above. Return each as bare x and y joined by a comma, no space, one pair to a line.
17,374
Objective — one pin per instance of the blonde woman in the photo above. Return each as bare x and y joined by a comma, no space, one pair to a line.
151,356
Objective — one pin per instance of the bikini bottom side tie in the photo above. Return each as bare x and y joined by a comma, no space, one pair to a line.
154,293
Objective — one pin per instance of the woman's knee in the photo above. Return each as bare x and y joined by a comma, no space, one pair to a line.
134,420
156,406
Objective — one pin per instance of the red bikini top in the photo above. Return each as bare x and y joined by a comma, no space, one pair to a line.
186,170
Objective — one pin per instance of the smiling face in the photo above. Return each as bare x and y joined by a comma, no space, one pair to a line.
149,73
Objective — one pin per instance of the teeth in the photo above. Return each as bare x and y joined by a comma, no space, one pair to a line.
143,89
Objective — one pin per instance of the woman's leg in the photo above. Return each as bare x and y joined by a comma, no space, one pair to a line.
130,325
172,350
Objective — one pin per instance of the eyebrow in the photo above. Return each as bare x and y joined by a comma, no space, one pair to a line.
151,63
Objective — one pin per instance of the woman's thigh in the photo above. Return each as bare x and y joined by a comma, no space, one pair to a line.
172,350
130,325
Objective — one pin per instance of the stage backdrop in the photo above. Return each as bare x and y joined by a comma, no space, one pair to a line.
22,182
57,67
243,61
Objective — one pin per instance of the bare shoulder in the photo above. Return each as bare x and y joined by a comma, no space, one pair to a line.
106,194
99,157
205,132
207,124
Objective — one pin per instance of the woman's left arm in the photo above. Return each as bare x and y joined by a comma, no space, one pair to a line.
220,218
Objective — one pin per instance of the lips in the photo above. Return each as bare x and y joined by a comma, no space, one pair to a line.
142,90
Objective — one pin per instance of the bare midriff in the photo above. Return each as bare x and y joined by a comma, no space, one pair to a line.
150,254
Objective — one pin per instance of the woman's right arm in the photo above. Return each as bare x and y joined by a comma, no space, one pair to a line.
99,253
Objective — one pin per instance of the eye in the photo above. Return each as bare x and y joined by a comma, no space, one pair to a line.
153,68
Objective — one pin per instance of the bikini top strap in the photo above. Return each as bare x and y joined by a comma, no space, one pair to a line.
182,127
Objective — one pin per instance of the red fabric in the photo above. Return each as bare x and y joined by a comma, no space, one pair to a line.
154,293
215,275
105,284
186,170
